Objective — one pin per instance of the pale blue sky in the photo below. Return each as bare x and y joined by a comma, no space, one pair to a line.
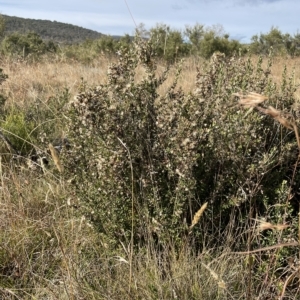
240,18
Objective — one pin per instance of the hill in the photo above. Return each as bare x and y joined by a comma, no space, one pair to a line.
50,30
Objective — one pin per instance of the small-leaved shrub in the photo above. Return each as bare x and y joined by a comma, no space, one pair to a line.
143,162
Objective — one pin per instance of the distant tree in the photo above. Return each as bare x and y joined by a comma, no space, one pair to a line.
23,45
296,45
218,29
106,44
125,41
2,26
212,41
168,43
275,39
158,36
194,35
51,46
142,31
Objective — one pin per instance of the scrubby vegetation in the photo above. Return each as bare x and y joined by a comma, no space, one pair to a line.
27,37
26,45
181,181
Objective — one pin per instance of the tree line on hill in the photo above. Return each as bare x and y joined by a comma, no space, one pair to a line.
168,43
49,30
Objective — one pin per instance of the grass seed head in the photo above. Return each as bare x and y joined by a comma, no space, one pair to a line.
198,215
55,157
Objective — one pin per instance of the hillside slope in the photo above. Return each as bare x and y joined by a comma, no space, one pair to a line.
50,30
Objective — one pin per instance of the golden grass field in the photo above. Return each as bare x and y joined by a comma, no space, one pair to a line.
49,252
27,82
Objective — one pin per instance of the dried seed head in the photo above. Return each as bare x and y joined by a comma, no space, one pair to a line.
198,215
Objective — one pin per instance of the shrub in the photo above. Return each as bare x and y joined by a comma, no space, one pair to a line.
106,44
143,163
117,158
168,43
211,43
24,45
282,44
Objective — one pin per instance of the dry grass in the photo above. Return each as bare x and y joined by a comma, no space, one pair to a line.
278,66
47,252
27,82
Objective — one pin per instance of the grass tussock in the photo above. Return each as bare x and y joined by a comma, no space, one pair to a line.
116,215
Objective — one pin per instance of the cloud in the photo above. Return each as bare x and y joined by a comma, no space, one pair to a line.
178,7
229,3
259,1
255,2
